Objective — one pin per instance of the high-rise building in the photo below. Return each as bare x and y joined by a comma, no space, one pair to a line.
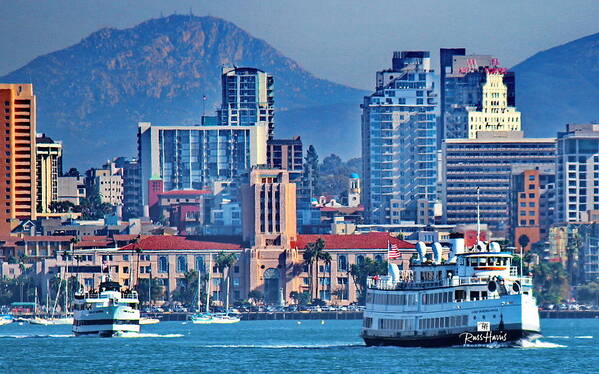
463,78
18,199
48,168
269,210
247,98
132,196
487,164
399,139
577,172
193,157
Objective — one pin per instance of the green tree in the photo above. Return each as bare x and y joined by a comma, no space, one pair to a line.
155,287
550,282
92,206
573,248
224,261
187,288
312,254
301,298
588,293
311,175
361,271
73,172
62,207
256,297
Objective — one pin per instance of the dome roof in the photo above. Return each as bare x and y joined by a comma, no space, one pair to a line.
354,176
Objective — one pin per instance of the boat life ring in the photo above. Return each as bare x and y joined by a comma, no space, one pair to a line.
516,286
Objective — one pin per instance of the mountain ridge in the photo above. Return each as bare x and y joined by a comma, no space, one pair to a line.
158,71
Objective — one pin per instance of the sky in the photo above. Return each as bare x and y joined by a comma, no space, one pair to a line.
345,41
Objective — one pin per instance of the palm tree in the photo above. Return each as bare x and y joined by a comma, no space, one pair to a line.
312,254
326,258
225,261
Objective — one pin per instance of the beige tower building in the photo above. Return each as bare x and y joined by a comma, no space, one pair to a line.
17,180
495,114
49,165
269,224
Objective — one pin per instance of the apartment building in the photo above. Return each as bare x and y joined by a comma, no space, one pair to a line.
18,185
399,140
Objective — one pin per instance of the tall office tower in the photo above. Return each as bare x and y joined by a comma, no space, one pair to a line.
18,197
463,78
49,167
269,216
247,98
577,172
193,157
487,164
287,154
132,197
399,140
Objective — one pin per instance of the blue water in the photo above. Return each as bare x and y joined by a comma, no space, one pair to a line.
284,347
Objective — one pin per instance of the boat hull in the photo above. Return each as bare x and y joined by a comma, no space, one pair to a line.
106,321
466,338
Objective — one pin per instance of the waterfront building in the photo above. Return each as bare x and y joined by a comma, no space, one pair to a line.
247,98
18,181
486,164
185,210
532,195
577,172
269,209
399,139
463,79
286,154
48,155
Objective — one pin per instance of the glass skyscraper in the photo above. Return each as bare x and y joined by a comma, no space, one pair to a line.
399,141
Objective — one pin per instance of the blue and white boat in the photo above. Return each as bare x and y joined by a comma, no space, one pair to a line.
474,298
107,312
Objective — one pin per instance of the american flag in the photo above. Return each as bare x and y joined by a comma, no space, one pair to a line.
393,252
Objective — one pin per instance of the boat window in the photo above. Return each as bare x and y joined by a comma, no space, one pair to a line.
491,261
482,261
473,295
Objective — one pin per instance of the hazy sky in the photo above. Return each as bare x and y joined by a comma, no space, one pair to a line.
342,40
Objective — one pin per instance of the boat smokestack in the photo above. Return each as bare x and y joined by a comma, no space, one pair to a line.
437,252
421,248
393,272
456,240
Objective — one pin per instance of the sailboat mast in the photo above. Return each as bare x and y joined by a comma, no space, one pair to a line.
199,288
208,284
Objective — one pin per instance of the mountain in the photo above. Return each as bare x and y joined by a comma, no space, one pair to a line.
559,86
92,95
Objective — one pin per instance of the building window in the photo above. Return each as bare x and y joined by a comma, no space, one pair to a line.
378,258
342,263
360,259
199,264
162,264
181,264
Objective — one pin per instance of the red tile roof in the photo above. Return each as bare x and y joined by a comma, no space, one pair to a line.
166,242
184,192
95,244
47,238
372,240
125,237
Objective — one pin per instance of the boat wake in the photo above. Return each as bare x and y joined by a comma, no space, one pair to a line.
536,343
36,336
147,335
283,346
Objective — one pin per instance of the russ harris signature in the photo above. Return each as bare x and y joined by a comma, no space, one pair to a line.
483,337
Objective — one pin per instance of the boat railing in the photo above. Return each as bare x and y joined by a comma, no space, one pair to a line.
388,284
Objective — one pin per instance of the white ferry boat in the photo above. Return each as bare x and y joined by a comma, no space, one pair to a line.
108,312
474,298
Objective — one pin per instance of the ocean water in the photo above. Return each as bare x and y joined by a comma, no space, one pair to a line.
568,345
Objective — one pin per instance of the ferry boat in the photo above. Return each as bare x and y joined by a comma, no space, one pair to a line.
474,298
107,312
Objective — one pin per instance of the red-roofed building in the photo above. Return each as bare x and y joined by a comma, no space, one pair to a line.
184,209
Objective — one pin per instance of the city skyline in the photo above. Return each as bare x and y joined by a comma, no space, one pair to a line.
303,33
